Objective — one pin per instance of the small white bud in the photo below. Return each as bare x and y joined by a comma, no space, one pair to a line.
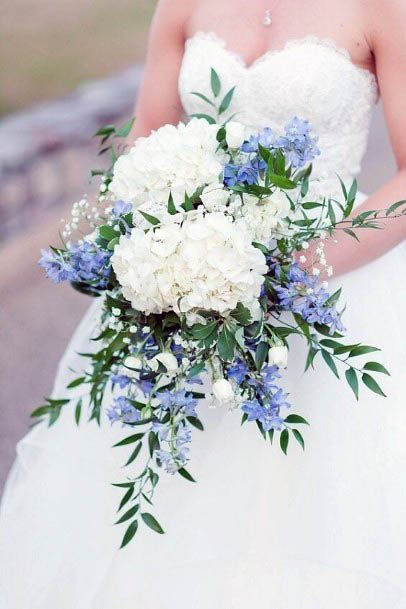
278,355
223,391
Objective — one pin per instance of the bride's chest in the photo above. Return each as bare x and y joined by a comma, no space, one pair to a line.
309,77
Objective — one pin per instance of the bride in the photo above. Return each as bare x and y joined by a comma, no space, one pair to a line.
321,530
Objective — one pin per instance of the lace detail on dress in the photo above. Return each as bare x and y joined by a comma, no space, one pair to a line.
311,77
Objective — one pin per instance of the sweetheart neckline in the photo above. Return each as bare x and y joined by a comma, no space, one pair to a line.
327,43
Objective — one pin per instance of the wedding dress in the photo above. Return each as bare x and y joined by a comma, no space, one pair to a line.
323,529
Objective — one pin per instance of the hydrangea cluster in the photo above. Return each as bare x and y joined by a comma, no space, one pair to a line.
172,159
83,262
301,293
205,263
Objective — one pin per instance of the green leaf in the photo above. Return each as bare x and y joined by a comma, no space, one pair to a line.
332,344
299,438
129,440
107,232
76,382
352,380
371,383
284,441
153,442
134,454
126,498
394,207
185,474
296,419
195,422
242,314
352,193
203,97
202,331
215,82
333,299
129,534
151,219
206,117
226,101
152,523
344,349
281,181
78,411
261,353
129,514
226,344
171,205
112,244
330,362
376,367
351,233
196,369
188,204
311,205
126,128
107,130
310,357
362,350
330,213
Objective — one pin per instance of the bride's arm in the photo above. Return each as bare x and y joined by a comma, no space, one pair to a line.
389,44
158,102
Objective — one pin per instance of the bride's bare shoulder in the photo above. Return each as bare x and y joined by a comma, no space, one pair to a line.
174,14
386,23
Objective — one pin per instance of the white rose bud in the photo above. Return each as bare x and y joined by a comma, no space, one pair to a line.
235,134
166,359
278,355
223,390
133,362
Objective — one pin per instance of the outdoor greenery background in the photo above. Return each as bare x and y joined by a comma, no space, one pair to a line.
48,47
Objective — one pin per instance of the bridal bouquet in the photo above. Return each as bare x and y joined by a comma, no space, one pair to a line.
198,246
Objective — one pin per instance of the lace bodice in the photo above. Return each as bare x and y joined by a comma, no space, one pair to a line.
311,78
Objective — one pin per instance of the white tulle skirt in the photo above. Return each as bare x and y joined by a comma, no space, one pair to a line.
323,529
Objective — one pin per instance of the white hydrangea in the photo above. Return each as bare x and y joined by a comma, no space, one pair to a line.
206,263
215,197
264,217
172,159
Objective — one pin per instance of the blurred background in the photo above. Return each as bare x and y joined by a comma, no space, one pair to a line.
66,68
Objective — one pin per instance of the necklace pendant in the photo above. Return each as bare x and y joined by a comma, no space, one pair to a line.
267,18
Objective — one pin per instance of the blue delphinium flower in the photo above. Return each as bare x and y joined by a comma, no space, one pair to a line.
121,380
122,410
268,416
83,262
301,293
91,263
240,174
121,208
266,138
57,266
145,385
175,401
269,399
178,453
297,144
237,371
